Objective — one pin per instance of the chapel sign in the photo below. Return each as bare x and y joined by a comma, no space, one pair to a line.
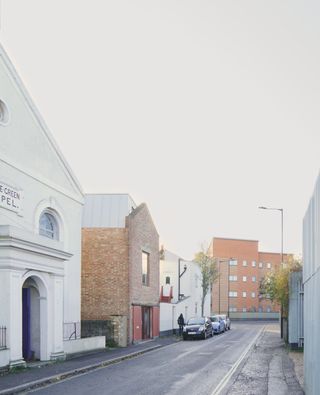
10,198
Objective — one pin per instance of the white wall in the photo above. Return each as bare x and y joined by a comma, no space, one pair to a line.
311,280
190,286
31,162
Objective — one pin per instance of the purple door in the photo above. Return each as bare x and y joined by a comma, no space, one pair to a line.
26,351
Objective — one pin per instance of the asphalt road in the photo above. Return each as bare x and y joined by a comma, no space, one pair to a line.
192,367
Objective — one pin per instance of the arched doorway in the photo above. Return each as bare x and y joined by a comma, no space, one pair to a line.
33,318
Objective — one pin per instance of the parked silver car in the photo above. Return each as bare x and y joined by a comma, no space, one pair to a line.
226,320
218,324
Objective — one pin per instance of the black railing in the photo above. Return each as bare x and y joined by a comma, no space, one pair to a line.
71,330
3,337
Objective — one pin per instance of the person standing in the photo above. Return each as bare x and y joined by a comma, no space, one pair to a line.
181,324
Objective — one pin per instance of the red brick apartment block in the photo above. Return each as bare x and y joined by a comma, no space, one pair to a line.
237,289
113,282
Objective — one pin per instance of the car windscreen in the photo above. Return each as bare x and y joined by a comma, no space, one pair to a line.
195,321
214,319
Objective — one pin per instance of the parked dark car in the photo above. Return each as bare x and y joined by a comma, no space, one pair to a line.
218,324
197,328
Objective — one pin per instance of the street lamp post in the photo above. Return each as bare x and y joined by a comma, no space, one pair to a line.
281,211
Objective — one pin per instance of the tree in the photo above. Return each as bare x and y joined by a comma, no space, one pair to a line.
275,285
209,272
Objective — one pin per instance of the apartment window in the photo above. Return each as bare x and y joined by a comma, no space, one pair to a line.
268,309
244,309
244,263
244,278
253,294
233,278
253,279
253,263
269,265
260,309
167,280
233,294
260,265
145,268
244,294
233,262
233,309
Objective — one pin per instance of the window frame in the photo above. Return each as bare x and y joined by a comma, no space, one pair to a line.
145,276
53,234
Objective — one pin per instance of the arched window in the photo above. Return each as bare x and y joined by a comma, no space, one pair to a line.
48,226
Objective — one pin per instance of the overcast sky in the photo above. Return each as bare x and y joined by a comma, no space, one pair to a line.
204,110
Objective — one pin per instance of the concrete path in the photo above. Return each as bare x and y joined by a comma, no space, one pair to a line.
267,370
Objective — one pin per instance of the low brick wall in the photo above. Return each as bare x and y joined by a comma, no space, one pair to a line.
114,329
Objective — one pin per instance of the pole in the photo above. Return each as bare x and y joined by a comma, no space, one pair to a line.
281,235
179,260
228,284
219,283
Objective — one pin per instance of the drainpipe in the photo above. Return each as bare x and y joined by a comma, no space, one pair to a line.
180,275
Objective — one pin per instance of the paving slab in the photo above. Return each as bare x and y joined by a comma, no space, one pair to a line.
267,369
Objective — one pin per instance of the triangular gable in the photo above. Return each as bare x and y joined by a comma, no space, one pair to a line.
26,142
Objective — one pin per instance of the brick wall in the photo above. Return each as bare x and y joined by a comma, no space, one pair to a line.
105,273
242,251
143,236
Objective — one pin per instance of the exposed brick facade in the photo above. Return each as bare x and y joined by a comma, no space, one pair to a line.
251,267
112,272
105,273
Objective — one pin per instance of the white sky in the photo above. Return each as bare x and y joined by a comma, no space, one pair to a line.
205,110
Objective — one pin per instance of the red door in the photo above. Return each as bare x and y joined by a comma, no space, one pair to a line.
146,323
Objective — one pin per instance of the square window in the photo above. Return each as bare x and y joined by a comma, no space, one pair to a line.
244,278
253,294
244,294
244,309
269,265
167,280
253,263
244,263
233,262
253,279
261,265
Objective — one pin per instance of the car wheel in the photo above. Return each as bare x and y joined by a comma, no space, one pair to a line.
205,335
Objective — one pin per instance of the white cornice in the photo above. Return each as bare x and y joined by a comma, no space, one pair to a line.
16,239
40,178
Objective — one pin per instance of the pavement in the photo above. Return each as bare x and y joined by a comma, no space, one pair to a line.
38,375
266,370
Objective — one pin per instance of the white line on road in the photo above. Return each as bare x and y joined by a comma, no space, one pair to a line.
227,377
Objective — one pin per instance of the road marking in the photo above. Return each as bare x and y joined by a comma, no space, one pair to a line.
227,377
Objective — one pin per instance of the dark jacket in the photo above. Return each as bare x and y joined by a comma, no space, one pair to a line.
180,320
